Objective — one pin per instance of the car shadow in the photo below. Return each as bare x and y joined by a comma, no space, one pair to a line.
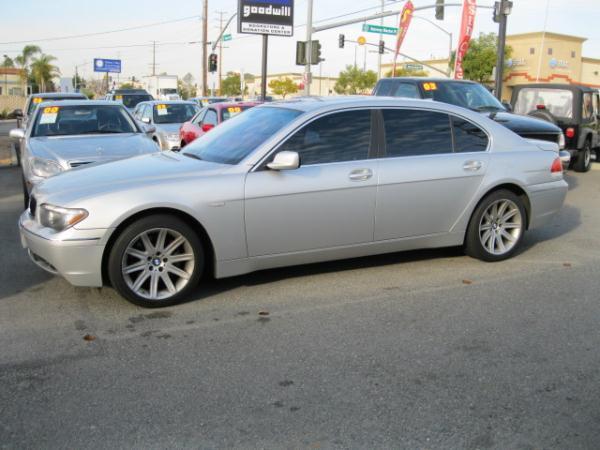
567,220
571,180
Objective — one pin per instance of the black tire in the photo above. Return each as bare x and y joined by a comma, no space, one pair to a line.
473,245
25,193
543,114
129,234
598,155
583,161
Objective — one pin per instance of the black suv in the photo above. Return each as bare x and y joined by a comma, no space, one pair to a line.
575,109
129,97
471,95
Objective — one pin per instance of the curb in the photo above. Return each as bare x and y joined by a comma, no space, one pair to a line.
12,161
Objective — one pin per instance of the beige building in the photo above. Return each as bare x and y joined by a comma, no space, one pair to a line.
322,86
11,82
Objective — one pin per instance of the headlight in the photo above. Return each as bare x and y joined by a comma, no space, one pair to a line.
44,168
60,219
561,141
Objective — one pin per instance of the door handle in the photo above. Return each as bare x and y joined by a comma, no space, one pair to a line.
472,166
360,174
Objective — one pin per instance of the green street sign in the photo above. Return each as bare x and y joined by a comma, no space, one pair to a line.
378,29
413,67
227,37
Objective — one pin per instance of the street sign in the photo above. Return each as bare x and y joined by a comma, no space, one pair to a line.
107,65
378,29
227,37
414,67
275,17
361,40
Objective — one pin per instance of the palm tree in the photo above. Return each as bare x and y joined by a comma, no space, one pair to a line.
8,62
43,70
23,60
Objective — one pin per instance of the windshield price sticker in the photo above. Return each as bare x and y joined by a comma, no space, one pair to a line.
49,115
234,110
37,100
430,86
162,110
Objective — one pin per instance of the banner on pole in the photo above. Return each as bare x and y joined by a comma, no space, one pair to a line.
405,19
466,31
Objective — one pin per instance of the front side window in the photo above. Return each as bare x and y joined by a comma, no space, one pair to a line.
76,120
223,144
468,137
210,118
344,136
411,132
558,101
174,112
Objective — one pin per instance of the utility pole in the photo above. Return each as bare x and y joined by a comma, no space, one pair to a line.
380,39
204,47
502,10
309,30
153,58
220,63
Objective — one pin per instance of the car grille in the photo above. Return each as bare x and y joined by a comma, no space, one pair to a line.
32,205
74,164
550,137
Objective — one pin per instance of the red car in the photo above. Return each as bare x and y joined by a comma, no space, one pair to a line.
209,117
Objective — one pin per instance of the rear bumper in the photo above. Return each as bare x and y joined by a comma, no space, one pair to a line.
546,200
79,261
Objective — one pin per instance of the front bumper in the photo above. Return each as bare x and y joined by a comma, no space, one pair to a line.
77,256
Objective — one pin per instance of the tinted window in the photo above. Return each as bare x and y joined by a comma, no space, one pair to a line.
210,118
468,95
411,132
338,137
407,90
468,137
232,111
76,120
223,144
384,88
131,100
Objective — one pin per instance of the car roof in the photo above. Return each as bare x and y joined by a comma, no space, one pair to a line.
224,105
168,102
129,91
569,87
81,103
430,79
58,94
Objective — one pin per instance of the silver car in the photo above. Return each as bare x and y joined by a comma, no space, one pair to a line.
292,183
72,133
167,117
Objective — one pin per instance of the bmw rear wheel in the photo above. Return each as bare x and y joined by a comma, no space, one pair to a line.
156,261
496,228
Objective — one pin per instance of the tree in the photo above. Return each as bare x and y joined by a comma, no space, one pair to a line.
24,58
8,62
43,71
283,86
127,86
404,72
355,81
231,85
186,86
480,60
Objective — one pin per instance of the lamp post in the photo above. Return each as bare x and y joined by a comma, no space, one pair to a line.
449,38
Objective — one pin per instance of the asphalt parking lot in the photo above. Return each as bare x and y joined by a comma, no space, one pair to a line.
426,349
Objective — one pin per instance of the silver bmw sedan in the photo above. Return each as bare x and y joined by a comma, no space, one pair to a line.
292,183
63,135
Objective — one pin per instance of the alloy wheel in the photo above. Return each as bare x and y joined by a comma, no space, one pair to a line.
500,227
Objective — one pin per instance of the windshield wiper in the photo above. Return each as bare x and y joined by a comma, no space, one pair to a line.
191,155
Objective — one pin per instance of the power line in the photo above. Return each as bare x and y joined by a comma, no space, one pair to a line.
99,33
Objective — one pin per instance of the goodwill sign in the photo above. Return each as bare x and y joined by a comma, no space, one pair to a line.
274,17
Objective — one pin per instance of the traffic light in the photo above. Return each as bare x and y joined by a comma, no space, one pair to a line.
439,9
315,49
341,41
212,62
503,7
300,53
381,47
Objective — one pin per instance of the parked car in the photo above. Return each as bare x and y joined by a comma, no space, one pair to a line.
72,133
205,101
208,118
166,117
292,183
575,109
129,97
476,97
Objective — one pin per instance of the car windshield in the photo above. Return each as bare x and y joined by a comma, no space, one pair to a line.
131,100
232,111
60,120
235,139
468,95
558,101
174,112
37,100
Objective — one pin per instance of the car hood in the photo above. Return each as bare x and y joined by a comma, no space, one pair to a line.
91,148
523,124
118,175
170,128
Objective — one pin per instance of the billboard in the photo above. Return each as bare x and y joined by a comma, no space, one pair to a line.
275,17
107,65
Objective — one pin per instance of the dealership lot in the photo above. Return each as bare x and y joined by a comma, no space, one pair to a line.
431,349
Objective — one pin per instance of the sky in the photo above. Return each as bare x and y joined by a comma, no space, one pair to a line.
178,51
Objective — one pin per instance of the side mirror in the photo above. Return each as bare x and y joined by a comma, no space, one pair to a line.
507,106
207,127
150,129
17,133
285,161
146,119
17,114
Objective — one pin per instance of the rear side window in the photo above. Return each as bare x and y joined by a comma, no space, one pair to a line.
412,132
468,137
344,136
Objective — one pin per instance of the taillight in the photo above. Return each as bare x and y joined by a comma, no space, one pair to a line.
556,166
570,132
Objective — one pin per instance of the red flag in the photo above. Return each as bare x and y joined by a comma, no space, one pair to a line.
405,18
466,30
